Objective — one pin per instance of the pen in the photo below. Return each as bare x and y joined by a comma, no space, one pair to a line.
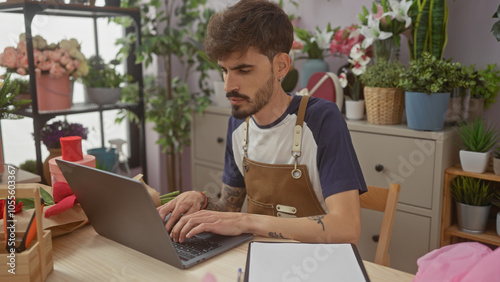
239,275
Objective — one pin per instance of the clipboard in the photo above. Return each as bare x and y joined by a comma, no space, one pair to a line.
295,261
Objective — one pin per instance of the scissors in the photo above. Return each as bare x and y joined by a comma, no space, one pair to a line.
28,235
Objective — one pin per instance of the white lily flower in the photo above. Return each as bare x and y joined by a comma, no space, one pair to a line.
399,11
356,52
372,32
343,80
323,38
357,68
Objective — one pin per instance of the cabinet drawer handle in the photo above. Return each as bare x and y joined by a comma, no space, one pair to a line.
375,238
220,140
379,167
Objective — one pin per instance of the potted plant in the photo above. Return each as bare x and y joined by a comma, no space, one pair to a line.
485,90
314,45
383,99
477,139
496,160
102,82
473,198
354,107
428,83
50,134
24,91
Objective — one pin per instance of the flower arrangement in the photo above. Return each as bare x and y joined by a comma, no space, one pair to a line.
344,39
359,61
51,133
388,19
54,59
315,43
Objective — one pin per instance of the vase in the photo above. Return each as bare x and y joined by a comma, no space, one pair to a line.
386,50
426,111
476,108
53,152
310,67
457,109
476,162
472,219
53,93
354,110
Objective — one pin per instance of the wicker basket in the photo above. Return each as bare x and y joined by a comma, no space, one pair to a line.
384,105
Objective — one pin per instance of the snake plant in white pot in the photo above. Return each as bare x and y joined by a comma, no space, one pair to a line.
478,138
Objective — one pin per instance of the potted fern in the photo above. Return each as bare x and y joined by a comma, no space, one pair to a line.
477,139
428,83
473,198
383,99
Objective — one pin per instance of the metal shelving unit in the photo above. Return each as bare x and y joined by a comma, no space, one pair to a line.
30,9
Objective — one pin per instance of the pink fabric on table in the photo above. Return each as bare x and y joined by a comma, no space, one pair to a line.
487,269
453,262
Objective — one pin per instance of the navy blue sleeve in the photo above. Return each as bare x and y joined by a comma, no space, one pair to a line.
231,176
338,165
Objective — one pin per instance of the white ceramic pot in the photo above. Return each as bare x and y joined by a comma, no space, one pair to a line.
474,161
496,166
103,96
220,98
355,110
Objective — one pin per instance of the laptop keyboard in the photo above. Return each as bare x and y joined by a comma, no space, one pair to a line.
194,247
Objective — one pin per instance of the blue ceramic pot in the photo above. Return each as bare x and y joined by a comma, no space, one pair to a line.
310,67
426,112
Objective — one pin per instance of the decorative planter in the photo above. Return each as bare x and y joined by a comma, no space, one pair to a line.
384,105
474,161
426,112
458,107
472,219
310,67
354,110
105,158
53,93
385,50
103,96
496,166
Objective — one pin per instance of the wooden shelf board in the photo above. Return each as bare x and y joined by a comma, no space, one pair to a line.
489,236
488,175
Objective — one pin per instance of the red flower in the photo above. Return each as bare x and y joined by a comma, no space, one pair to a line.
18,207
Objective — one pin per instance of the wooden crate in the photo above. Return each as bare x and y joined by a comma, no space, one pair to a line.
35,263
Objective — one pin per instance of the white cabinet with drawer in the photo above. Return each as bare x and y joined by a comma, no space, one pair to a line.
208,137
416,160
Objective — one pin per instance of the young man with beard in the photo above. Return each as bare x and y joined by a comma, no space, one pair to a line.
291,157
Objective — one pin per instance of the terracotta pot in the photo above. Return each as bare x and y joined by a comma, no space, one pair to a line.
53,93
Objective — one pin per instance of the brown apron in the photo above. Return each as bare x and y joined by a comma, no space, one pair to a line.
281,190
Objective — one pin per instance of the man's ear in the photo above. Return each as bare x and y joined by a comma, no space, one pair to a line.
282,63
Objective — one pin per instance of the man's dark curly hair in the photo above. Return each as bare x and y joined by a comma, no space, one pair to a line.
249,23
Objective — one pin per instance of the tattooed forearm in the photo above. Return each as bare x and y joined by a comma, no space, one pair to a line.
318,219
231,199
276,235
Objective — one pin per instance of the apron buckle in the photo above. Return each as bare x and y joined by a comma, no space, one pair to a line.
286,209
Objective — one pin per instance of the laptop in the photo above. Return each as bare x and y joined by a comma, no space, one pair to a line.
120,209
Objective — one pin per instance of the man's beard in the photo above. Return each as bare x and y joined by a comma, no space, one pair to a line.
262,97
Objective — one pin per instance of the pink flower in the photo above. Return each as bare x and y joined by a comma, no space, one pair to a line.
56,71
297,45
55,55
70,66
45,66
76,63
65,59
22,62
9,58
21,47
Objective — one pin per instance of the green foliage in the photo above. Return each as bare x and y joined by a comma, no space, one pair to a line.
477,136
101,74
24,85
487,85
430,75
29,165
471,191
29,203
495,29
429,19
8,102
382,74
467,76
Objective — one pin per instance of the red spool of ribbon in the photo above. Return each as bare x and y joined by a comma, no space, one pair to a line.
71,147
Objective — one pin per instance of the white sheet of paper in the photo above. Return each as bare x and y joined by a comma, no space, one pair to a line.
297,262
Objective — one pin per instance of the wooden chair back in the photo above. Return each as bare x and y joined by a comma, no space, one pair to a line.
384,200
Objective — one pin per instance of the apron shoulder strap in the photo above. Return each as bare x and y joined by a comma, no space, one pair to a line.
297,130
245,137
